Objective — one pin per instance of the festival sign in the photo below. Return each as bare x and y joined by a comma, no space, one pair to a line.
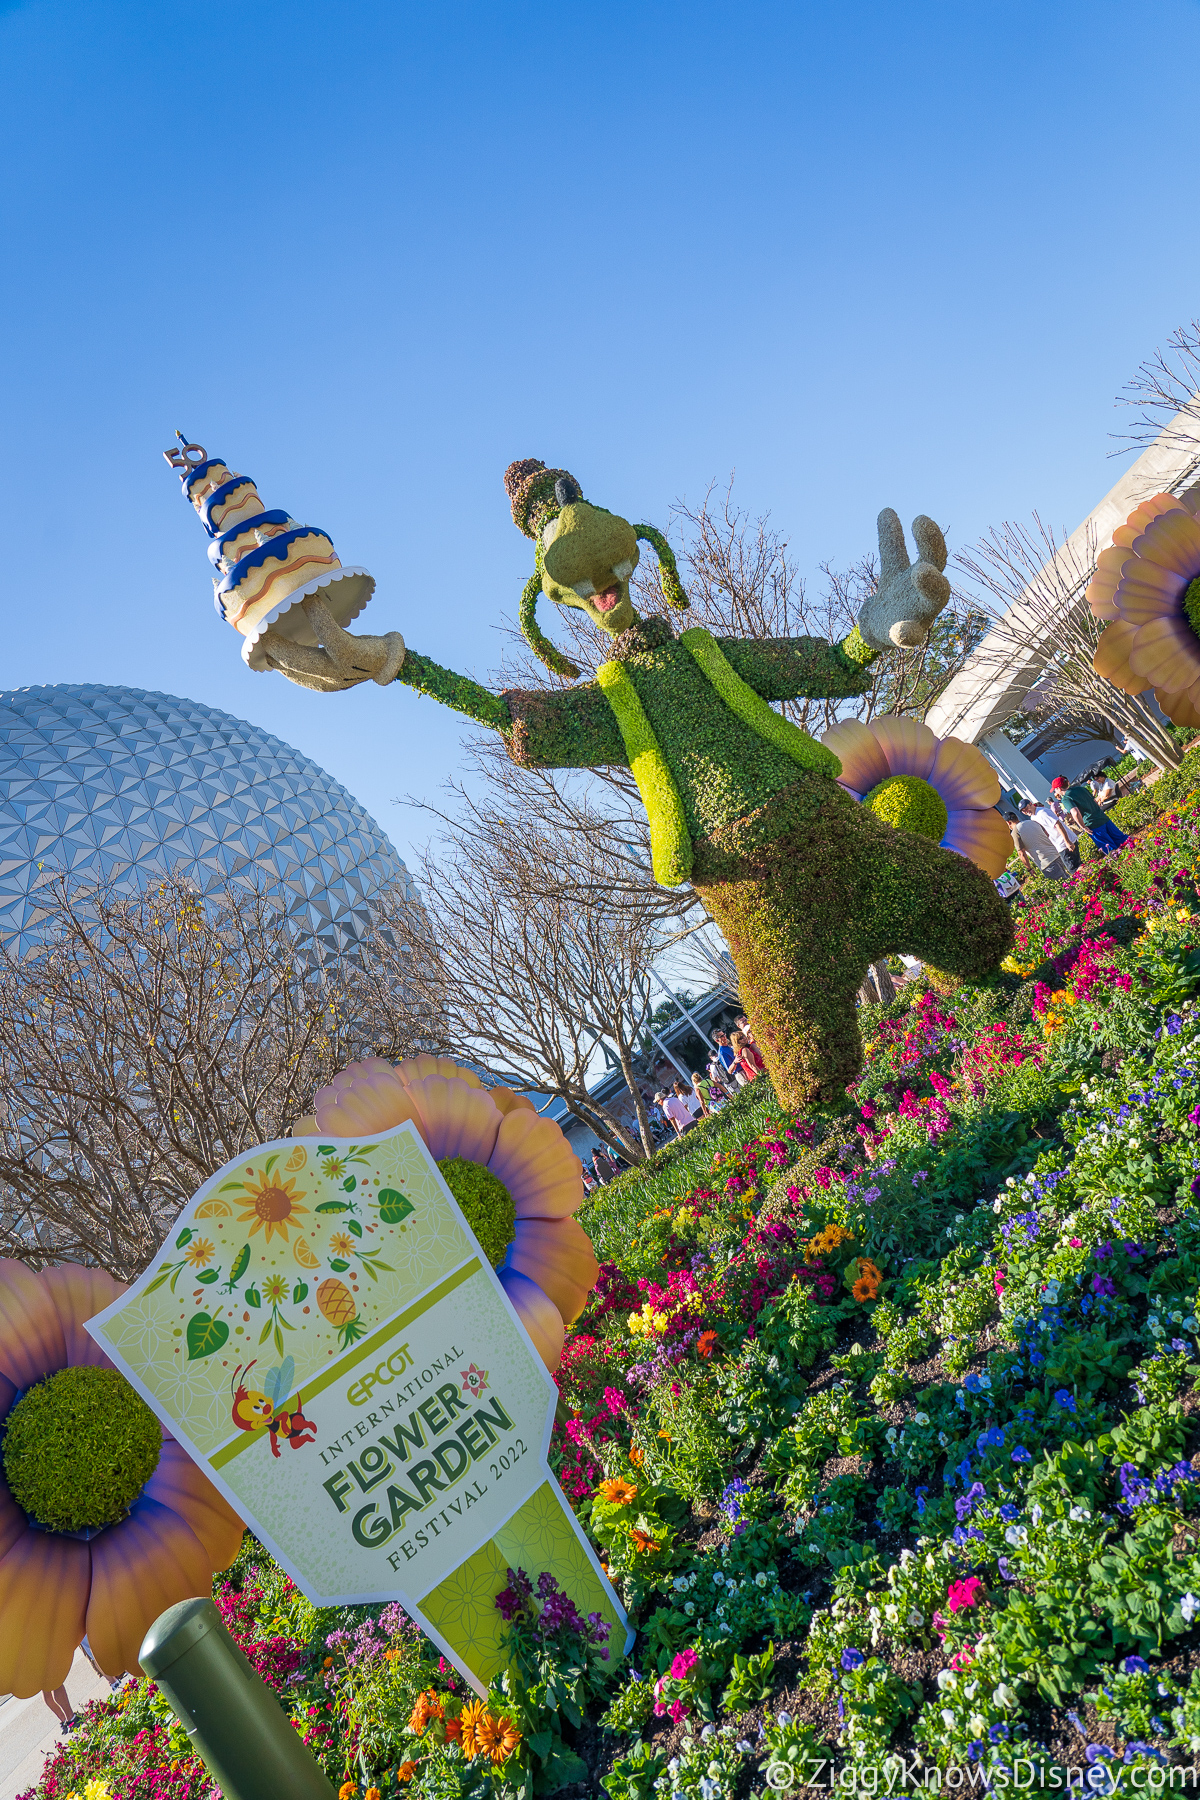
323,1334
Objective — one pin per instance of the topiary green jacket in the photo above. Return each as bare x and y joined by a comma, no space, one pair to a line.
689,715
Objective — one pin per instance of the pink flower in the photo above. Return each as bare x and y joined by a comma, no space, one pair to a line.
1075,1243
685,1661
998,1279
965,1593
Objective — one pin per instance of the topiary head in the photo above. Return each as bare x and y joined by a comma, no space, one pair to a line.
585,555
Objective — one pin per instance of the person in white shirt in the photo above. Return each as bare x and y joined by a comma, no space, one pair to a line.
1035,850
1104,790
678,1111
1060,834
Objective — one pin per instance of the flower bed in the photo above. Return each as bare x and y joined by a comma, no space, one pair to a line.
884,1425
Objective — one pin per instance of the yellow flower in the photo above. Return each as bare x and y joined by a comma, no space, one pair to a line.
618,1492
341,1244
470,1719
275,1289
274,1204
199,1254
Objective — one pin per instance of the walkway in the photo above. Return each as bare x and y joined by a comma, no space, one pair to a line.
29,1730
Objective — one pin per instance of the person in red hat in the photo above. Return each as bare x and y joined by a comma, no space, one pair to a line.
1086,811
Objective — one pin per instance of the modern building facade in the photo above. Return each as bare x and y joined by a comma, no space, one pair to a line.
116,786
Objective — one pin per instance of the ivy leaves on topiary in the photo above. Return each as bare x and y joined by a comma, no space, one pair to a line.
486,1203
911,805
79,1448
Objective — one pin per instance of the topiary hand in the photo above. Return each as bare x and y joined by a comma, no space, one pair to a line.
910,595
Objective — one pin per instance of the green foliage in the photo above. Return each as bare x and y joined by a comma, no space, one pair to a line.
909,804
751,1682
79,1448
486,1203
634,1777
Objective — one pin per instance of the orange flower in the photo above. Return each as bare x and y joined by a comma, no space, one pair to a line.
469,1721
406,1771
498,1738
453,1731
618,1492
373,1793
706,1343
636,1456
643,1541
426,1707
864,1289
348,1790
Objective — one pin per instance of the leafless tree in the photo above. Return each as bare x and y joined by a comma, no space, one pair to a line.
530,966
1033,587
1165,396
149,1041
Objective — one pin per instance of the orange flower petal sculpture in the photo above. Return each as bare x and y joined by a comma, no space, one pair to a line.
1147,585
492,1137
111,1582
941,788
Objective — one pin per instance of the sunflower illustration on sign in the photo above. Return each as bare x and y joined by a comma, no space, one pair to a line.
273,1203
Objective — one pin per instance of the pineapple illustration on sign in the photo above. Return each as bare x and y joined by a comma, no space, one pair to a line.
337,1304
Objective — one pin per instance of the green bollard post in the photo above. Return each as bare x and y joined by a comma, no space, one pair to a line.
235,1722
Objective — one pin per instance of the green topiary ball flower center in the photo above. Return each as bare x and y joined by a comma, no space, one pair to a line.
486,1202
1191,605
911,805
79,1448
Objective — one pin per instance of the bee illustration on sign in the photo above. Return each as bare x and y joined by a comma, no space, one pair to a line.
252,1409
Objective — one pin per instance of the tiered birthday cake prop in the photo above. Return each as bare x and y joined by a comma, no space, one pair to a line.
267,564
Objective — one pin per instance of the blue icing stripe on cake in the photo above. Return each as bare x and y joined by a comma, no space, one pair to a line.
276,546
219,496
198,469
276,516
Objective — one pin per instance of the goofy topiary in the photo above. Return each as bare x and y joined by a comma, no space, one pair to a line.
808,887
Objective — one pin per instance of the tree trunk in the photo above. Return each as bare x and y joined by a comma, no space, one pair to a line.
884,982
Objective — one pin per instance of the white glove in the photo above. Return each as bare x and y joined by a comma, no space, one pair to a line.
910,595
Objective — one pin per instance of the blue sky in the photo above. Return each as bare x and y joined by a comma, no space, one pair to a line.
864,256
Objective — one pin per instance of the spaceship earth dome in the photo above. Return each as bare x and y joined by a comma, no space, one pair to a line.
116,786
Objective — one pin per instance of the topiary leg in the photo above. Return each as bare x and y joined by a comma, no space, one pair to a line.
809,890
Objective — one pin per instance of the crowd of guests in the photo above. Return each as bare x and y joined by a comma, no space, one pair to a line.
1046,835
735,1060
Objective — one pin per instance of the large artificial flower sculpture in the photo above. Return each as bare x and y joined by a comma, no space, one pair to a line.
104,1520
1147,584
939,788
512,1172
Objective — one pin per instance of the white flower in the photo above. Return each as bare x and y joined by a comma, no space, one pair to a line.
971,1689
976,1725
943,1440
673,1765
915,1617
690,1608
891,1434
948,1717
920,1418
760,1580
680,1583
743,1747
718,1577
996,1204
1080,1512
1035,1513
1016,1535
930,1560
705,1735
1003,1695
783,1719
947,1678
906,1556
1189,1606
892,1614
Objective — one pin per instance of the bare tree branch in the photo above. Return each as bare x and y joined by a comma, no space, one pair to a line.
1034,587
151,1040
